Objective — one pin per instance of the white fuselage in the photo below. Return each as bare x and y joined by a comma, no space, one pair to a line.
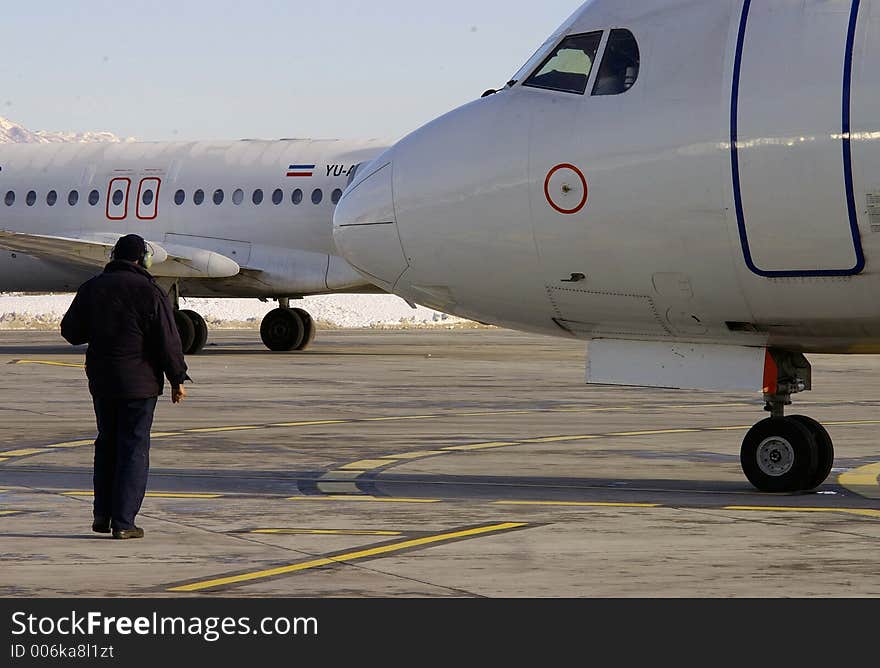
732,193
282,243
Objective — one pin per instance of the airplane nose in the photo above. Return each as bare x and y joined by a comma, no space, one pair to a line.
365,227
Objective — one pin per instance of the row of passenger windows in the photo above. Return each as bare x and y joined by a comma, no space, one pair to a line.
180,197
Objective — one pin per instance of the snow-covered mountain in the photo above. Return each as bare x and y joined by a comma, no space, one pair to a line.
14,133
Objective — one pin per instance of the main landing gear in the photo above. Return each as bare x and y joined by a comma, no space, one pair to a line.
191,326
786,454
286,329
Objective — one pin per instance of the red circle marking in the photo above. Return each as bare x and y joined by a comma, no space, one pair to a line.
583,203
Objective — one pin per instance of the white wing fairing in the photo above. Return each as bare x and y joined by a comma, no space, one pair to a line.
168,261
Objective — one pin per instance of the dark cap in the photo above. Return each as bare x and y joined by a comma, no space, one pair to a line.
131,248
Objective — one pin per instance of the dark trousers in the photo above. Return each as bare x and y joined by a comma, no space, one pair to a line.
122,457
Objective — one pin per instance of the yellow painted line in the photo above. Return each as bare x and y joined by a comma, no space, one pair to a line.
655,432
215,430
350,556
4,459
851,423
365,465
480,446
561,439
865,512
415,455
73,444
24,453
163,434
312,423
399,417
158,495
740,428
362,498
578,504
864,481
4,513
325,532
47,363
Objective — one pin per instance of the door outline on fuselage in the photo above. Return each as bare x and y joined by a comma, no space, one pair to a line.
847,157
152,209
126,191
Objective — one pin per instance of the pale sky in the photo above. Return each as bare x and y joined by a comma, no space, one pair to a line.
199,69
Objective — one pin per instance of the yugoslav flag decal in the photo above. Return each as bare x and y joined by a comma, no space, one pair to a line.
295,171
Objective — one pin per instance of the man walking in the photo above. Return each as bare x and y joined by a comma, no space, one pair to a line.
128,322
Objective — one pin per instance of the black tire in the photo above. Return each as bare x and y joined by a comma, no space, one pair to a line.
200,336
282,330
186,329
310,329
779,455
825,450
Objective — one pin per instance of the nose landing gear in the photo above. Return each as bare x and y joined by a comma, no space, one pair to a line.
786,454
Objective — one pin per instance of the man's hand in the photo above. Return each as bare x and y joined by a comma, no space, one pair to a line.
178,394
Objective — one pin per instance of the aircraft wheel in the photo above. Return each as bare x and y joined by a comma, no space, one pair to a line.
310,329
200,333
282,330
825,450
186,328
780,455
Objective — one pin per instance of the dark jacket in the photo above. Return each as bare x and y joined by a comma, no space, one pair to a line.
128,322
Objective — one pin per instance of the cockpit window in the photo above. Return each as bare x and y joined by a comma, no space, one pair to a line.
569,66
620,64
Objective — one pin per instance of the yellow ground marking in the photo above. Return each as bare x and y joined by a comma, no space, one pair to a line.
864,481
866,512
215,430
47,363
365,465
312,423
73,444
349,556
576,504
395,418
24,453
654,432
158,495
158,434
4,513
561,439
4,459
415,455
325,532
739,428
851,422
362,498
480,446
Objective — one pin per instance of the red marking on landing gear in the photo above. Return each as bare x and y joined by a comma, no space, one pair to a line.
566,188
771,374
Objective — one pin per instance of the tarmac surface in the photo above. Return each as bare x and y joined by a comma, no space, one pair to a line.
431,464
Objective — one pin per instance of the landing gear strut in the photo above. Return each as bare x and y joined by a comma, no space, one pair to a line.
786,454
286,329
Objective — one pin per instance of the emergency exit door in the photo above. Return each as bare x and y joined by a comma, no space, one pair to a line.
790,137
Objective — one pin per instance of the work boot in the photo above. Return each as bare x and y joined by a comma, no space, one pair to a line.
128,534
101,525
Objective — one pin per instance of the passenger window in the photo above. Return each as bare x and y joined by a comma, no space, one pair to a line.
258,197
238,197
94,197
199,197
10,198
118,196
568,68
218,197
73,197
31,198
51,198
317,196
620,64
337,195
180,197
277,197
147,198
297,196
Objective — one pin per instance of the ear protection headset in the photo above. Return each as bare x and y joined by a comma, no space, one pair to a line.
145,261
